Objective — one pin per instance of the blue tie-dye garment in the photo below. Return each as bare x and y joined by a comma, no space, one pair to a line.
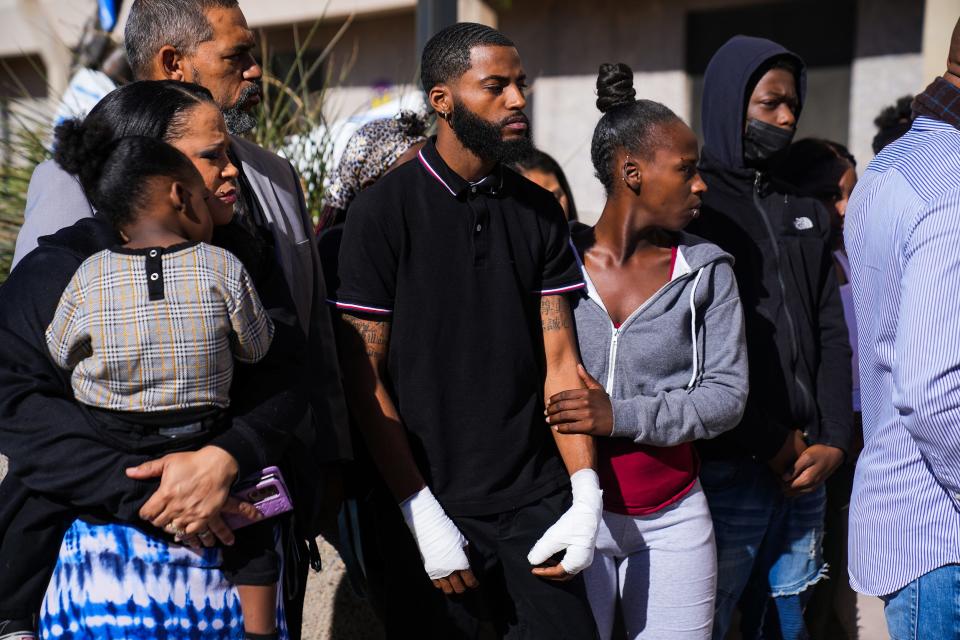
115,583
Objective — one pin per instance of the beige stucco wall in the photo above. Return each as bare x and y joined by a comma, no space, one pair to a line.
564,115
44,27
877,82
561,42
939,18
261,13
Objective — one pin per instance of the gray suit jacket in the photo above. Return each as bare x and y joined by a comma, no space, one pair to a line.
55,200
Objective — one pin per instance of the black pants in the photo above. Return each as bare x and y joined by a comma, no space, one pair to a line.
31,530
397,587
511,602
32,526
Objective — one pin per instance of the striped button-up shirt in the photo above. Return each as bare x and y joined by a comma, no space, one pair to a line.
903,237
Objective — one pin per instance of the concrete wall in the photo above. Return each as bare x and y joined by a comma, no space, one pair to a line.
940,17
261,13
563,41
888,64
861,59
46,29
373,61
373,50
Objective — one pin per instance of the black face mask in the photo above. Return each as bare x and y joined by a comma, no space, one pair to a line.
762,141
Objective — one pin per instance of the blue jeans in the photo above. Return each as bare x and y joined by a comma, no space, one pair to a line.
768,549
928,607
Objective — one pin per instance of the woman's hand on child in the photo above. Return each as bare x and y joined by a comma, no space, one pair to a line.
194,489
586,411
216,530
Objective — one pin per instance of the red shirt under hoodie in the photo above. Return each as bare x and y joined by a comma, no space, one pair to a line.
639,479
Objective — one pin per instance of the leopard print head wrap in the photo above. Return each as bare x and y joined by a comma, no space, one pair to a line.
371,150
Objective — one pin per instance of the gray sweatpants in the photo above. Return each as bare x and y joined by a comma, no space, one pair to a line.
664,567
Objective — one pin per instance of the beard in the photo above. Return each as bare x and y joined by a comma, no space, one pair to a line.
485,138
237,118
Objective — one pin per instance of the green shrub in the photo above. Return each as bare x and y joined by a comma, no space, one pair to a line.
24,149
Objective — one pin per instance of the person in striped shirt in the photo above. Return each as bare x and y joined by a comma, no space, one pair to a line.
902,234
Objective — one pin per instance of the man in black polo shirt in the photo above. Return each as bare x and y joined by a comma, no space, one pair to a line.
453,270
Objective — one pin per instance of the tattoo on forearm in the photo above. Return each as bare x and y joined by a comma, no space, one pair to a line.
373,334
554,313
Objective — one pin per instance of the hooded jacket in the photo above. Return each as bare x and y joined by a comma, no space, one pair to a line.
797,342
676,368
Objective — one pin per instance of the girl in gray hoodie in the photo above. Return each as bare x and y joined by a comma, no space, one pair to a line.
660,329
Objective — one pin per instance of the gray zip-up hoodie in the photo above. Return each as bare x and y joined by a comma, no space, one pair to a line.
676,369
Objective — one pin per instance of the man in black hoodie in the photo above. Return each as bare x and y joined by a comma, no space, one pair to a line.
764,479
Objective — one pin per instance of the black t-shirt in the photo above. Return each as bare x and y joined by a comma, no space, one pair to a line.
459,269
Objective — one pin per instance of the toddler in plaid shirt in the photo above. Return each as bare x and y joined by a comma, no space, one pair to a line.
150,329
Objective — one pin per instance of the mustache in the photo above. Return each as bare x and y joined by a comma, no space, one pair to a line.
514,119
255,88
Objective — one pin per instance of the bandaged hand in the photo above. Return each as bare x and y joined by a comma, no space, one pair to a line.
576,530
441,543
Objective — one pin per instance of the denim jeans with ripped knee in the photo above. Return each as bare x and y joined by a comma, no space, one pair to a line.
769,549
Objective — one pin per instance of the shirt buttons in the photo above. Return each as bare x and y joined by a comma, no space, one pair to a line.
153,253
154,277
473,189
479,228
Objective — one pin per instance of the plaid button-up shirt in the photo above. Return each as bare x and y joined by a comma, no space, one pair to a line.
157,329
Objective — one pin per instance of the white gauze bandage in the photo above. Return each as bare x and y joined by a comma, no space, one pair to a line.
441,543
576,530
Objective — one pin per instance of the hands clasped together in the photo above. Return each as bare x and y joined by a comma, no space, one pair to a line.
801,468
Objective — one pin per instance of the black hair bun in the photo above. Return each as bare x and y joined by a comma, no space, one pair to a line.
82,150
614,86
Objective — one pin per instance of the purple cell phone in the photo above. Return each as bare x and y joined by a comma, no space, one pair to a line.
267,492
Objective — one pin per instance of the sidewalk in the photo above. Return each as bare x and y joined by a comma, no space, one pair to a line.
333,612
